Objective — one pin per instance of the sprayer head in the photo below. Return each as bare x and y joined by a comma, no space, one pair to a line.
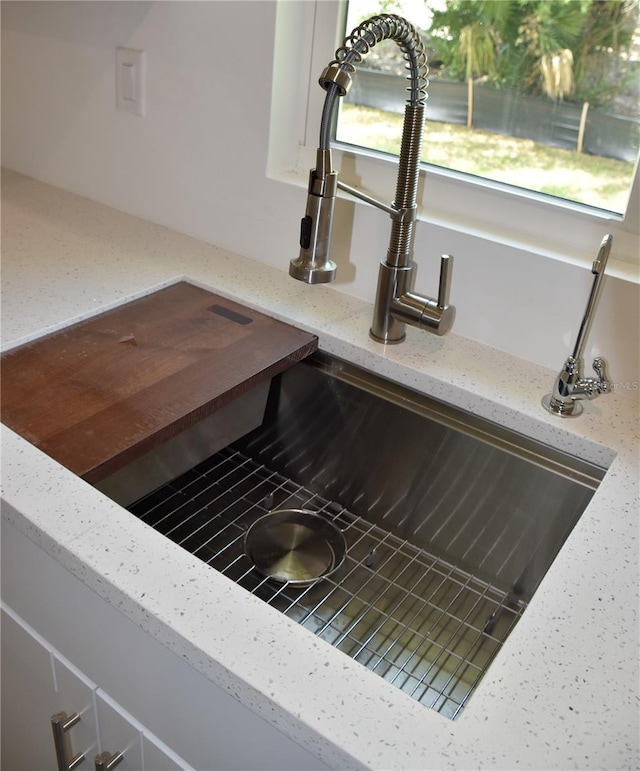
313,264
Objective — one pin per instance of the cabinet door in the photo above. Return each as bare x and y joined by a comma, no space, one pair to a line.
75,694
158,757
119,733
29,698
141,750
38,683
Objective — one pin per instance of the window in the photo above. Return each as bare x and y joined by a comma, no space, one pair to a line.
494,211
541,95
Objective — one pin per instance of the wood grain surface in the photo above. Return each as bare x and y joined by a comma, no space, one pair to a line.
101,393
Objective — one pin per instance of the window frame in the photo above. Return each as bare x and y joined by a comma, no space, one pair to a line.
476,206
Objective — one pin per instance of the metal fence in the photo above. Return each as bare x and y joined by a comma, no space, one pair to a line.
508,112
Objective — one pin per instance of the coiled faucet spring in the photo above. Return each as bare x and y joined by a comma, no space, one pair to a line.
375,30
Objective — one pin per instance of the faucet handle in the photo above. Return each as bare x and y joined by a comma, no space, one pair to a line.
444,285
601,385
424,312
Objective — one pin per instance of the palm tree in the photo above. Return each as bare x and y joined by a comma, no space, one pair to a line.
548,34
557,74
551,47
478,51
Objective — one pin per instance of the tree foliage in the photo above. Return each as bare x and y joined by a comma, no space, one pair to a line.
555,47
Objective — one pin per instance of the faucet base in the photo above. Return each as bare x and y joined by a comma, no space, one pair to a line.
387,341
392,282
562,409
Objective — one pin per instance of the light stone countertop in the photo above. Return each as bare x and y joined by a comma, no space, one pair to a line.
563,691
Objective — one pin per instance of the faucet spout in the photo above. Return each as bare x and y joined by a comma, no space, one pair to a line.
396,303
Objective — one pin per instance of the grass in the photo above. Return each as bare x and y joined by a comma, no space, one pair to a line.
588,179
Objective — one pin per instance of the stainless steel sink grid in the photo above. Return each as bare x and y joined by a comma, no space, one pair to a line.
416,620
447,539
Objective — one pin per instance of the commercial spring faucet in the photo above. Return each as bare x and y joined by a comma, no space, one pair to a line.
396,303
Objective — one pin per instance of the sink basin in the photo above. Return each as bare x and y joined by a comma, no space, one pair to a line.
451,522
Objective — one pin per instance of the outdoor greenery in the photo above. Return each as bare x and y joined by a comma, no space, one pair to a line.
570,50
561,48
589,179
578,50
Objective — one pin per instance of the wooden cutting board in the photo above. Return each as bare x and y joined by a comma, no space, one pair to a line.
105,391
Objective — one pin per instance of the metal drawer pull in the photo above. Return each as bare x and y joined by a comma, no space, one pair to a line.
106,761
61,724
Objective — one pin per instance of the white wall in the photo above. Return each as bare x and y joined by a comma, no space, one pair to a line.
197,162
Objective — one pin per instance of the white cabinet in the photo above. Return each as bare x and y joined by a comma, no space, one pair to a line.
39,685
121,732
118,732
158,756
29,700
75,696
146,700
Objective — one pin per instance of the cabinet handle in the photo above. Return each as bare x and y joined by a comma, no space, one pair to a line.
61,724
106,761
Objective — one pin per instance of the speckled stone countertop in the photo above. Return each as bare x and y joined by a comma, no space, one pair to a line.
563,691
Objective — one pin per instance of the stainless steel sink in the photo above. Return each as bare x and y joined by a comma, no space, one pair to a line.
451,522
